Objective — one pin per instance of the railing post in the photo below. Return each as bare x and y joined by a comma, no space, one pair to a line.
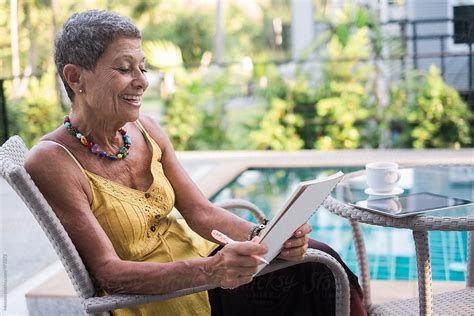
403,31
470,66
415,46
3,109
443,59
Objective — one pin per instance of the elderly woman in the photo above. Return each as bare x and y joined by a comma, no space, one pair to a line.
112,177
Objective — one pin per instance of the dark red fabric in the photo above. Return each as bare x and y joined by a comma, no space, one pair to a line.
303,289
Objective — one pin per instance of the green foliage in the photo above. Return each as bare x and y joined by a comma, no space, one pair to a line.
330,113
181,119
162,54
343,104
214,130
36,114
430,113
278,128
335,104
194,101
268,81
341,109
195,117
244,24
191,31
189,26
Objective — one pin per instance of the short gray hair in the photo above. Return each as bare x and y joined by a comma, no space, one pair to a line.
84,38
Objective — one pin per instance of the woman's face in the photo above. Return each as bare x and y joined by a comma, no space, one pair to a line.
114,88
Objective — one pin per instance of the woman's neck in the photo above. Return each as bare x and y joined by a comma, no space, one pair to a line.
101,131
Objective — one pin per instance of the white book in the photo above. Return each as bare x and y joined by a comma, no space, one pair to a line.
298,208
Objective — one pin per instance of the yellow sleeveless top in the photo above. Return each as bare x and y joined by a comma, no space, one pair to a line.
141,228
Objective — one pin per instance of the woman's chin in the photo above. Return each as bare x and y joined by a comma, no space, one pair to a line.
133,116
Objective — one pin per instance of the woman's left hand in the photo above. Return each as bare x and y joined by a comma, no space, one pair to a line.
295,247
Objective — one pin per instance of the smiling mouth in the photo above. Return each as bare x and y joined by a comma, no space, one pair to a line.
136,99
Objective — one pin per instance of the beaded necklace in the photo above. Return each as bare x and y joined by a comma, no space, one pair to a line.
93,147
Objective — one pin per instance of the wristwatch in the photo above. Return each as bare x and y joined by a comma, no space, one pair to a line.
255,231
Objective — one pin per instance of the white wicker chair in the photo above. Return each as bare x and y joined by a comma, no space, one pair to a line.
12,158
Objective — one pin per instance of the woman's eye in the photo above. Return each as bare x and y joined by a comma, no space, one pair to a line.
126,70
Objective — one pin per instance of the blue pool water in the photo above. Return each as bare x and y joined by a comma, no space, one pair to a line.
390,251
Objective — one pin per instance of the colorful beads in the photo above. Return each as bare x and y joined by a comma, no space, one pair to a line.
84,141
94,148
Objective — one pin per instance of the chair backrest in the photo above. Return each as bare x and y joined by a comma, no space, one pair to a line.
12,158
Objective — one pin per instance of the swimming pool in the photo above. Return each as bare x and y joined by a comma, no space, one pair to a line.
391,252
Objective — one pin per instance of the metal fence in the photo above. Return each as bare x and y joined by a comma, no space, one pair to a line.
446,43
408,45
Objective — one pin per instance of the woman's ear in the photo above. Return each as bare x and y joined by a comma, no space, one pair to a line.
72,74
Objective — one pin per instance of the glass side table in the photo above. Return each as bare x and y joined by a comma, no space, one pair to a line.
456,181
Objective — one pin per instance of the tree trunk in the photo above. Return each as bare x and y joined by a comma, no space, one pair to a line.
31,38
218,35
62,97
22,87
15,47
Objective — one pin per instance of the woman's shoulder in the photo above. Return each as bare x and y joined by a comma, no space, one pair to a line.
47,153
52,168
47,144
154,130
149,123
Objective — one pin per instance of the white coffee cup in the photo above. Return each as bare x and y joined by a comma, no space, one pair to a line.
382,177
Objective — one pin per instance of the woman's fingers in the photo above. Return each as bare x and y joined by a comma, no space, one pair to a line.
247,248
304,229
236,277
295,247
237,263
296,242
293,254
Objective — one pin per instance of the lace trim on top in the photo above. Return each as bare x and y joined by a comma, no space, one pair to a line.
133,219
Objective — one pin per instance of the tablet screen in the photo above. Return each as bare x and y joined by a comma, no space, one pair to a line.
411,204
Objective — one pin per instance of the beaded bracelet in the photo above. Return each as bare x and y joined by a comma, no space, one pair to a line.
255,231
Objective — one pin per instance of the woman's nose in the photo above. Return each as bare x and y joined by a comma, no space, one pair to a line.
140,81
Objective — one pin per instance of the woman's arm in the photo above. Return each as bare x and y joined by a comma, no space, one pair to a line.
200,214
68,192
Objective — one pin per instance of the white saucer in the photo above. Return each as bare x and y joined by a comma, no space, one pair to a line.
395,191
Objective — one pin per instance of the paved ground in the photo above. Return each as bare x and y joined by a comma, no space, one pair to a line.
24,248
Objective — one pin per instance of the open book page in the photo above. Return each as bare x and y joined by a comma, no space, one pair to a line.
298,208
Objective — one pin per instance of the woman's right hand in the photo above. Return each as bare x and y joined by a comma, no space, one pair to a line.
235,264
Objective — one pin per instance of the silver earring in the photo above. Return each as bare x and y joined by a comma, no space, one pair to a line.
80,90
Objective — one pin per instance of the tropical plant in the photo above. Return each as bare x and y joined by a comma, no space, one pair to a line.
194,113
277,128
37,113
428,113
343,100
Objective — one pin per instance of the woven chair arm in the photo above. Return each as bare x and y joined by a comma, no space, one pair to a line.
242,204
115,301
